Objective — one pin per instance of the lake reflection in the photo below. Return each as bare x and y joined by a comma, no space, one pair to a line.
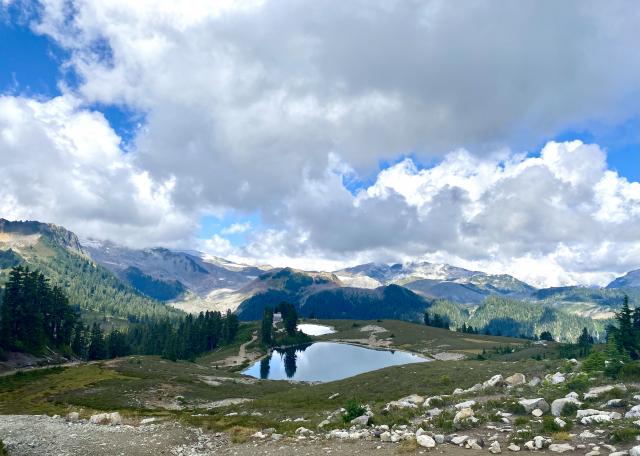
326,361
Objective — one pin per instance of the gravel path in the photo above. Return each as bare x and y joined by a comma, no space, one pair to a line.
42,435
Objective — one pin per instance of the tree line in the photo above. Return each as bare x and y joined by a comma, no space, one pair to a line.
35,315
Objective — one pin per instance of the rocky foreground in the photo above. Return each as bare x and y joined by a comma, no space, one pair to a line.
500,415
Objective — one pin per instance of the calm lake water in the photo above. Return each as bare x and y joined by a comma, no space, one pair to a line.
326,362
315,330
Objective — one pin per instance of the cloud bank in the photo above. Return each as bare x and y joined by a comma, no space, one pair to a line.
274,107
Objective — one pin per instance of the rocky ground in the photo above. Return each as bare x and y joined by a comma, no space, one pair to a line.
500,415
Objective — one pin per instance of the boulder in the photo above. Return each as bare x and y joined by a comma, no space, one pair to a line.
535,381
598,391
616,403
413,399
558,405
496,380
459,439
473,444
397,405
537,413
573,395
466,404
439,438
425,441
634,412
560,423
73,416
531,404
516,379
513,447
588,435
561,447
458,391
361,420
494,448
463,415
111,419
557,378
635,451
530,445
385,436
593,412
540,442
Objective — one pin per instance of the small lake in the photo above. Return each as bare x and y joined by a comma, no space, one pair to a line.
315,330
326,362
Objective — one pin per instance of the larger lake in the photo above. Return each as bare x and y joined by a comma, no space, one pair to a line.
326,362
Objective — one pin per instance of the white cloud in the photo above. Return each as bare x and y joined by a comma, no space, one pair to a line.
236,228
63,164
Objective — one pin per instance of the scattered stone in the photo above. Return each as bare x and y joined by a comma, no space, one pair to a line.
112,419
540,442
458,391
385,436
466,404
434,412
494,448
573,395
561,447
598,391
459,439
426,441
516,379
73,416
531,404
333,396
557,378
537,413
146,421
473,444
634,412
535,381
439,438
619,453
635,451
412,399
614,403
587,435
558,405
513,447
530,445
560,423
496,380
592,453
361,420
463,415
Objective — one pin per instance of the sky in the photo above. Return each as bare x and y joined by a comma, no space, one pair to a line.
501,136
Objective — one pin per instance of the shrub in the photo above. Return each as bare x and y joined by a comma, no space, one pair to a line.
561,436
625,434
353,409
578,383
569,409
3,449
630,371
596,361
515,407
444,421
522,421
445,380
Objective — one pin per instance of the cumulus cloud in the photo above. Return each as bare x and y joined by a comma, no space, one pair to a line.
269,107
62,163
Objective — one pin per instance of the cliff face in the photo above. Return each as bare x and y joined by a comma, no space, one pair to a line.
55,233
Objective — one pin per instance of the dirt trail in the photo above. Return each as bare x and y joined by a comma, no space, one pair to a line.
242,355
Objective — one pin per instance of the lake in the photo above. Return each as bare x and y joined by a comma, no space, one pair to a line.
315,330
326,362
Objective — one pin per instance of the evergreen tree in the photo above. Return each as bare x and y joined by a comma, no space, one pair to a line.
289,317
97,347
427,319
266,327
546,335
79,343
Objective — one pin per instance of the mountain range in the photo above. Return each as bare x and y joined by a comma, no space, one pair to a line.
104,277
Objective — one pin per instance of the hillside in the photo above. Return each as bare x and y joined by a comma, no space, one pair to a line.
629,280
506,317
168,274
58,254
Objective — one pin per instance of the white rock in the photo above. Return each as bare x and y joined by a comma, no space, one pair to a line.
426,441
537,413
532,404
634,412
413,399
339,434
530,445
561,447
635,451
361,420
592,453
459,439
587,435
558,405
333,396
573,395
560,423
516,379
396,405
619,453
112,419
496,380
600,390
458,391
495,448
148,421
73,416
385,436
540,442
591,419
513,447
613,403
463,415
535,381
473,444
466,404
439,438
557,378
434,412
